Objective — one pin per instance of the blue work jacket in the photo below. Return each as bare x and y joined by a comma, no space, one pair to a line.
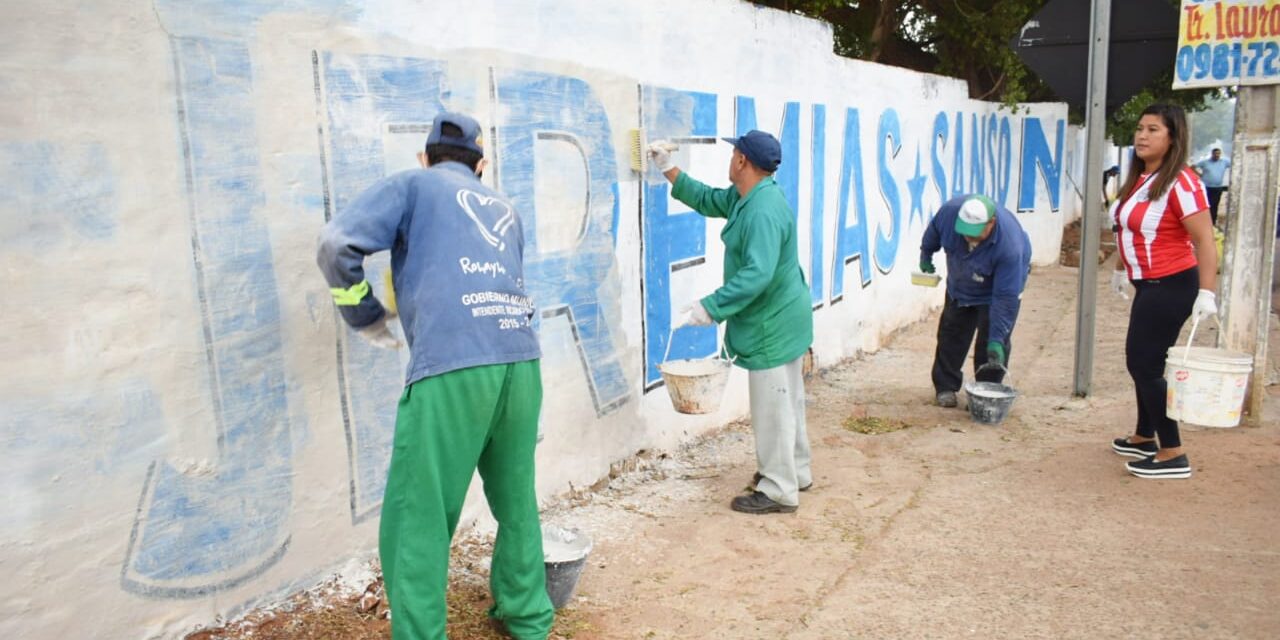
457,260
993,273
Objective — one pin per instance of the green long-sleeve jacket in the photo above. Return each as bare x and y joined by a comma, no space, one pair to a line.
765,298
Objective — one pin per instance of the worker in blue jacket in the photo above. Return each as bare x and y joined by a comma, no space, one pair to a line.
473,389
988,260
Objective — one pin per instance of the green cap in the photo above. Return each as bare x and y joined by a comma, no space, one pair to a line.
975,213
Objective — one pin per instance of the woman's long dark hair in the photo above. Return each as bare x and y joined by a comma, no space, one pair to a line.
1175,158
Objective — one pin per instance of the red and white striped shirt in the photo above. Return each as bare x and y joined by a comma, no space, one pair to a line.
1152,241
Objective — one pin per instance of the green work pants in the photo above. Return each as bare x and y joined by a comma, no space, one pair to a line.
447,426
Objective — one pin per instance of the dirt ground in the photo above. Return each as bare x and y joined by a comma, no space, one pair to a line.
936,528
1070,252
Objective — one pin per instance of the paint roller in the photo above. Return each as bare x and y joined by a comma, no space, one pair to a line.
639,150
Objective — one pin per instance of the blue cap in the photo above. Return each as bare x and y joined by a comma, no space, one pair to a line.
760,148
470,138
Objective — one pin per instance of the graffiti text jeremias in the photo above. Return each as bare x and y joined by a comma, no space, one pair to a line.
237,519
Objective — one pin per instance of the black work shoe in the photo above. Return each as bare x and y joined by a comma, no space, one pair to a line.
1178,467
759,503
947,399
756,478
1137,450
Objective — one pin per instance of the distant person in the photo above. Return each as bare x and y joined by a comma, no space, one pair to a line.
988,260
1167,251
1213,172
766,305
473,388
1110,178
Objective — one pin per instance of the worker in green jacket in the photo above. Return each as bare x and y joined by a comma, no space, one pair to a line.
765,302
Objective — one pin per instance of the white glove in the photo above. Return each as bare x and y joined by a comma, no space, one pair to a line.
695,315
1120,283
660,155
379,334
1206,305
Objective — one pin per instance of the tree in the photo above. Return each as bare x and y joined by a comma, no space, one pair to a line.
1122,122
1213,127
966,39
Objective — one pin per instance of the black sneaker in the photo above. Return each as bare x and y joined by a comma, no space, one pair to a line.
1137,450
947,399
1178,467
758,503
756,478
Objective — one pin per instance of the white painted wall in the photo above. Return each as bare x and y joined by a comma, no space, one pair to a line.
189,430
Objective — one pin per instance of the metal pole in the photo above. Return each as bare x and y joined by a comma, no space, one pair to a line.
1245,287
1096,122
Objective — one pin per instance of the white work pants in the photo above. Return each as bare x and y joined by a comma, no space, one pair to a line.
782,444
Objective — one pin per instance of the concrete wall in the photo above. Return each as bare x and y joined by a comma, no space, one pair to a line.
188,429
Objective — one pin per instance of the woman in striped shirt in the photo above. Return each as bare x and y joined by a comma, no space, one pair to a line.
1165,240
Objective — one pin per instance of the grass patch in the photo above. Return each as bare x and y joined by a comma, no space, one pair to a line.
871,425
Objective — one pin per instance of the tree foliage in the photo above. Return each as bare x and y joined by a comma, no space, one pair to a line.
966,39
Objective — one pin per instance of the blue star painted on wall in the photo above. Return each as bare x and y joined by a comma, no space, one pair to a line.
916,187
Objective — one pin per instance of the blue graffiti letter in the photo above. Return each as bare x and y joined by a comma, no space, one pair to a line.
197,534
940,129
672,240
817,178
372,101
1036,154
851,226
890,132
1005,170
565,281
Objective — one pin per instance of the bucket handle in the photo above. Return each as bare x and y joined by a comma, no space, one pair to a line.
1195,324
719,344
988,366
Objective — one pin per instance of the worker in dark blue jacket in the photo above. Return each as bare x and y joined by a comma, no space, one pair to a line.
988,260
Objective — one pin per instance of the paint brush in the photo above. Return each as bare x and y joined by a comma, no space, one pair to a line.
639,150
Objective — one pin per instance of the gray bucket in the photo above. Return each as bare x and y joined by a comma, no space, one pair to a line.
989,402
565,553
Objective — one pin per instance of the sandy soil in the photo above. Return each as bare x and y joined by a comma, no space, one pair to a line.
948,528
942,528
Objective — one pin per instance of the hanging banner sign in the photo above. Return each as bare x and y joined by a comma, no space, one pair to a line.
1228,42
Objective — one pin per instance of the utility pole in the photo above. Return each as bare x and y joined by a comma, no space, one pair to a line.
1096,125
1251,234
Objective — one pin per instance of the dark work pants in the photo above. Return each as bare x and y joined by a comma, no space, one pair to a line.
955,334
1160,307
1215,196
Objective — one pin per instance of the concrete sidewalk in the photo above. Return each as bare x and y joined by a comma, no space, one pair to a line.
947,528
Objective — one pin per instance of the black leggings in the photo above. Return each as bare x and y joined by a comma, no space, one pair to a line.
1160,307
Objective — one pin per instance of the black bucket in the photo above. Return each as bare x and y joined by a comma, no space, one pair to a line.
565,552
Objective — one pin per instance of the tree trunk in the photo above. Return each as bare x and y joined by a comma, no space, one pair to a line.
883,29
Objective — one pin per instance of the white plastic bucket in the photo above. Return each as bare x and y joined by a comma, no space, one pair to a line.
695,386
1206,385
